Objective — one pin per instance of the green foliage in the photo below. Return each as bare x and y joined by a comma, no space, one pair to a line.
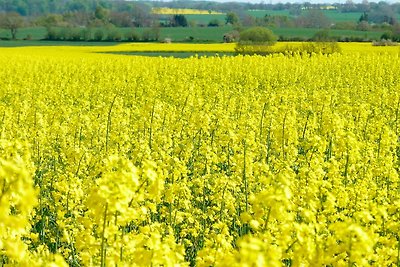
98,35
364,17
114,35
214,23
232,18
258,36
344,25
51,34
388,35
11,21
87,34
75,34
205,34
63,34
363,26
275,21
151,34
132,36
101,13
313,18
309,48
179,21
321,36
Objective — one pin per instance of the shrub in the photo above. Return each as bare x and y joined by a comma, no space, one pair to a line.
388,35
258,35
321,36
256,40
310,48
214,23
254,49
384,42
231,37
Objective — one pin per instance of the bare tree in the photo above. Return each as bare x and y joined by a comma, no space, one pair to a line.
314,18
11,21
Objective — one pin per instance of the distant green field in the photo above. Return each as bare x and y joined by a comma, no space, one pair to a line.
205,19
19,43
193,34
199,34
333,15
211,34
337,16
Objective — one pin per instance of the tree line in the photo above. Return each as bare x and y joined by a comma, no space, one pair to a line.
139,12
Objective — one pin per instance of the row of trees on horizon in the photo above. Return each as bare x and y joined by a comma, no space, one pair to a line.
90,14
41,7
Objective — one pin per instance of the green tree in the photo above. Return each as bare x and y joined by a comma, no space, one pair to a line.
98,35
232,18
314,18
114,35
364,17
388,35
11,21
132,36
322,36
179,21
101,13
256,40
214,23
141,16
258,35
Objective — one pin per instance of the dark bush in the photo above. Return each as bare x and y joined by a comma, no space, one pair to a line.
214,23
388,35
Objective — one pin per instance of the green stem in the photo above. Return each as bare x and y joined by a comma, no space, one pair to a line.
151,125
262,119
109,123
103,239
245,177
398,252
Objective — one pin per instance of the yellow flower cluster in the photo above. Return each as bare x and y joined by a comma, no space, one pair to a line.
110,160
182,11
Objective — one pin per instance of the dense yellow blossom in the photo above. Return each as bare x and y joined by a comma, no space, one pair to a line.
182,11
112,160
